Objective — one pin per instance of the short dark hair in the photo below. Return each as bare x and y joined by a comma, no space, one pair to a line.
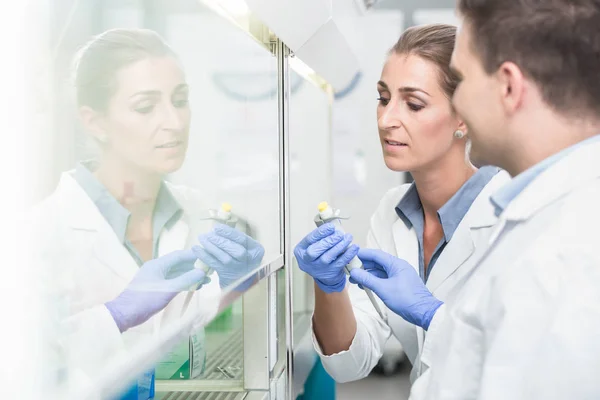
434,43
556,43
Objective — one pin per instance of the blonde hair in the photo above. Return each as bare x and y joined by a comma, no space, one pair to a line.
435,43
98,61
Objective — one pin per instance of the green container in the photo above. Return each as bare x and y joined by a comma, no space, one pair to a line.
222,322
187,360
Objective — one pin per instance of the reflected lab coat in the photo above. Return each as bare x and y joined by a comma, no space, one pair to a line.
390,234
87,266
527,324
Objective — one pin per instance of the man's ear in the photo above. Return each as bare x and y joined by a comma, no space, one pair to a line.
512,86
93,123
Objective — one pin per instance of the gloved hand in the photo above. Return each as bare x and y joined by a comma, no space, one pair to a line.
398,285
231,253
157,282
323,254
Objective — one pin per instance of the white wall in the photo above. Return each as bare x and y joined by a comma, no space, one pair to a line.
436,15
360,177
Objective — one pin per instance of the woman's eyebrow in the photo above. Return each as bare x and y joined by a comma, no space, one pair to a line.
403,89
146,93
411,89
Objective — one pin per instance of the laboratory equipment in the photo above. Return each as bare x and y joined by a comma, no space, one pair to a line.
223,216
230,252
327,214
402,290
323,254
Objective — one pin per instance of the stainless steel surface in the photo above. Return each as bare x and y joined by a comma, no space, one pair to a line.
273,336
278,386
230,347
235,291
284,172
224,368
257,396
279,368
302,324
202,396
256,331
226,358
281,313
305,355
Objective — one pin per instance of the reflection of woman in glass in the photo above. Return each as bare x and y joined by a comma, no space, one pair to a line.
118,213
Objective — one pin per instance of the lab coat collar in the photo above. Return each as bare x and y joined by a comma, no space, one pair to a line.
83,216
458,250
575,169
406,243
455,254
481,214
82,213
462,245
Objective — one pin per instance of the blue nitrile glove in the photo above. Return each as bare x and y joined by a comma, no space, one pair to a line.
323,254
398,285
157,282
231,253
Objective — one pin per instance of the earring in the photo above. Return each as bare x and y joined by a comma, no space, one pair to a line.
459,134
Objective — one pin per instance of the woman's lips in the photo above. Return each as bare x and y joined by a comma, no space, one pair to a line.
394,143
169,145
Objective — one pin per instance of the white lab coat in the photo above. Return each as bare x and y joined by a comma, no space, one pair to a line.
90,267
390,234
527,323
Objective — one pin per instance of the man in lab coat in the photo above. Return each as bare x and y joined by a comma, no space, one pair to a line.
526,325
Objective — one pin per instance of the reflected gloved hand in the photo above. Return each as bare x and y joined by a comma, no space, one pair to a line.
157,282
398,285
323,254
231,253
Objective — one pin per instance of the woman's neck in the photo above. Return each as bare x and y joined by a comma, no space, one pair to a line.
134,188
437,184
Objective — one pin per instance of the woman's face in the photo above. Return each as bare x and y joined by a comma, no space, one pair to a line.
147,120
414,116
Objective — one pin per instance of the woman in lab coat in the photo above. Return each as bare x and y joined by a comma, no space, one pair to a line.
108,218
439,224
